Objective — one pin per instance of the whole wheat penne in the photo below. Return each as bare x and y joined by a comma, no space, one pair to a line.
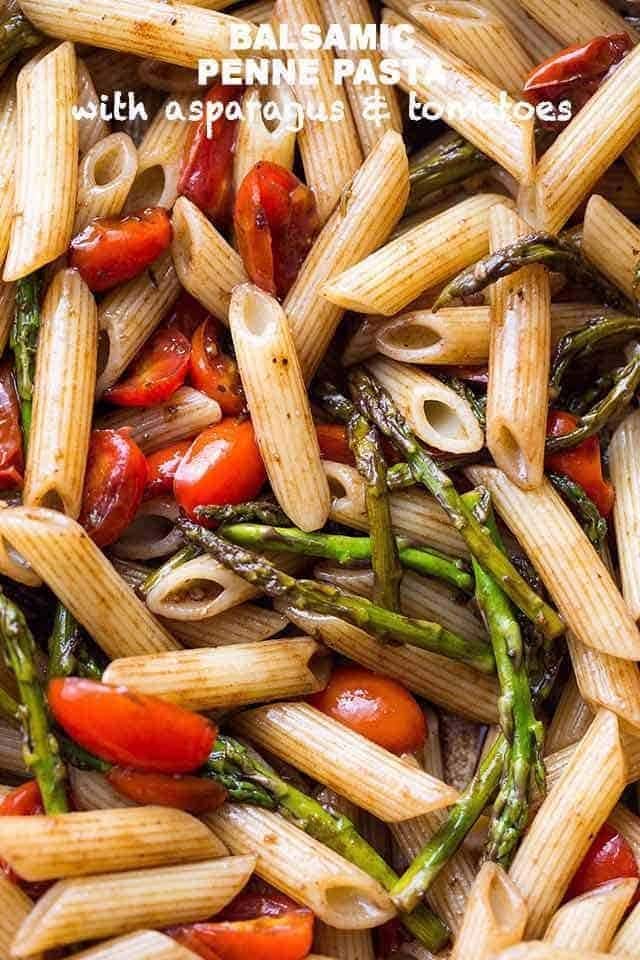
537,950
92,791
606,681
393,276
105,176
343,944
8,154
246,623
197,590
152,533
208,678
205,263
63,396
533,37
91,908
348,236
495,916
60,551
185,414
141,945
259,12
556,763
103,841
279,405
15,906
574,574
339,893
91,126
167,77
574,809
183,34
160,157
570,720
611,242
439,415
11,747
625,942
573,23
46,172
260,139
362,771
110,70
589,922
623,453
628,824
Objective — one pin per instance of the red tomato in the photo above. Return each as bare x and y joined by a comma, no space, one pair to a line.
376,707
111,250
608,858
223,465
114,485
11,457
582,463
131,729
23,801
162,466
207,169
156,373
334,443
187,314
214,372
275,220
194,794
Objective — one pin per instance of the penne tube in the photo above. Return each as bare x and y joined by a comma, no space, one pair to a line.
82,578
11,750
328,141
91,126
105,176
439,415
495,916
8,155
623,453
182,34
15,907
141,945
572,571
577,23
186,413
606,681
209,678
611,242
343,944
92,908
537,950
625,942
103,841
167,78
246,623
259,12
350,234
570,721
589,922
339,893
574,810
46,166
205,263
531,35
153,532
160,157
353,766
279,406
63,396
92,791
519,357
198,590
110,71
129,314
259,139
393,276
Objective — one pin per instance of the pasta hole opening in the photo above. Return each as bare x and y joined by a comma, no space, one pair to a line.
444,420
147,190
110,165
52,501
195,591
500,903
412,336
337,489
259,314
320,667
512,451
346,902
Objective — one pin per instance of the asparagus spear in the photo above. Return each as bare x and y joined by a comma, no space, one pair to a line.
253,511
16,34
586,341
24,343
41,750
373,399
445,162
593,523
327,599
9,709
183,555
344,550
63,643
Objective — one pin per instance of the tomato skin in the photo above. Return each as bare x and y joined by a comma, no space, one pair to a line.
130,729
156,373
114,485
275,220
214,372
374,706
11,454
112,250
608,858
162,466
581,463
207,169
223,465
23,801
193,794
334,443
187,314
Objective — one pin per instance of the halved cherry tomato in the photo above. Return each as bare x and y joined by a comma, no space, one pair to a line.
207,169
334,443
162,467
131,729
275,220
194,794
582,463
11,457
375,706
187,314
156,373
222,465
23,801
111,250
608,858
215,372
114,485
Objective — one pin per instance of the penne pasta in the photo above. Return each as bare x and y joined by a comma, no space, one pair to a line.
344,944
537,950
160,157
198,590
259,139
92,791
626,509
8,155
246,623
259,12
152,533
577,23
589,922
606,681
11,750
141,945
533,37
494,918
106,174
185,414
570,721
617,255
14,908
91,127
625,942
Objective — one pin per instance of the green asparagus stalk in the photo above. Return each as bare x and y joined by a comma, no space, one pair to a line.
41,750
16,34
63,643
253,511
24,343
326,599
9,709
593,523
586,341
443,163
345,550
377,403
184,554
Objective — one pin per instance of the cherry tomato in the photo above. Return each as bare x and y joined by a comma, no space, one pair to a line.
187,314
111,250
11,456
582,463
375,706
214,372
131,729
156,373
334,443
275,220
193,794
608,858
207,170
114,485
223,465
162,466
23,801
